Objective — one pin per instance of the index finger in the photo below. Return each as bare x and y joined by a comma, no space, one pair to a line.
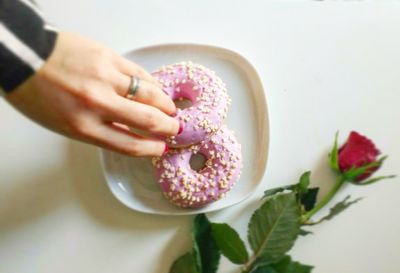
140,116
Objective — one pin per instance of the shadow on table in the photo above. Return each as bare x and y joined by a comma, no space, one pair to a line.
95,197
321,176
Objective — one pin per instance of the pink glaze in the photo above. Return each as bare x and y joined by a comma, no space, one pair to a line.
207,93
188,188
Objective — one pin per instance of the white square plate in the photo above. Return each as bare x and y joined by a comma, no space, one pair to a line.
132,180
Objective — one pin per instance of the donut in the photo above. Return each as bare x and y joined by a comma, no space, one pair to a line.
188,188
207,93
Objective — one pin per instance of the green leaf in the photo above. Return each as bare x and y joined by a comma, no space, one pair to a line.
206,252
263,269
309,198
302,186
230,244
304,232
274,227
184,264
273,191
338,208
285,265
333,155
374,180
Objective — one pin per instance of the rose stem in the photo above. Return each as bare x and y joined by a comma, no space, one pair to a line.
339,182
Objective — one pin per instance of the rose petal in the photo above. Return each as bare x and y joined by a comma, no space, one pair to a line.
356,152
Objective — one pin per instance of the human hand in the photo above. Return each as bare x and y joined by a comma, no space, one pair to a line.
80,93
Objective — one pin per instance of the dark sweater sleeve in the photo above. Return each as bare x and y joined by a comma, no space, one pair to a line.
26,41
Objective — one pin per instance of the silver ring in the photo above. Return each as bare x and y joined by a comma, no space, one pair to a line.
133,87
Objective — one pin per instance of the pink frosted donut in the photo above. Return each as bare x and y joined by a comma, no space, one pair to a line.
207,93
188,188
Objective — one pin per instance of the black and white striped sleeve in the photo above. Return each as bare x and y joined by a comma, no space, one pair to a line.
26,41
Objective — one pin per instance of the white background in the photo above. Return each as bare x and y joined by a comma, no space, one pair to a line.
326,66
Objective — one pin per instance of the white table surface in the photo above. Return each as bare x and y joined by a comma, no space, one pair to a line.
325,66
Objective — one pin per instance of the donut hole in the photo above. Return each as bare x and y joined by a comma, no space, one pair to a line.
184,95
182,103
197,161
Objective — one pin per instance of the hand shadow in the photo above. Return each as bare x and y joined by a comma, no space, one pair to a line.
95,197
79,179
93,194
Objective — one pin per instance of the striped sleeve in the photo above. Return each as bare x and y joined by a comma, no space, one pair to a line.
26,41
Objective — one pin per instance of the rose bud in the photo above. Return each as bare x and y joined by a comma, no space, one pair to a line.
358,151
357,159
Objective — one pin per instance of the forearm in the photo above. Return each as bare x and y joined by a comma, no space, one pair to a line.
26,42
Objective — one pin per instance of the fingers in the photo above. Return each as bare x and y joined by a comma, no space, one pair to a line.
131,69
140,116
148,93
118,139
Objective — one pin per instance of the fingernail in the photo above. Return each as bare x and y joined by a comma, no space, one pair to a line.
180,128
166,149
